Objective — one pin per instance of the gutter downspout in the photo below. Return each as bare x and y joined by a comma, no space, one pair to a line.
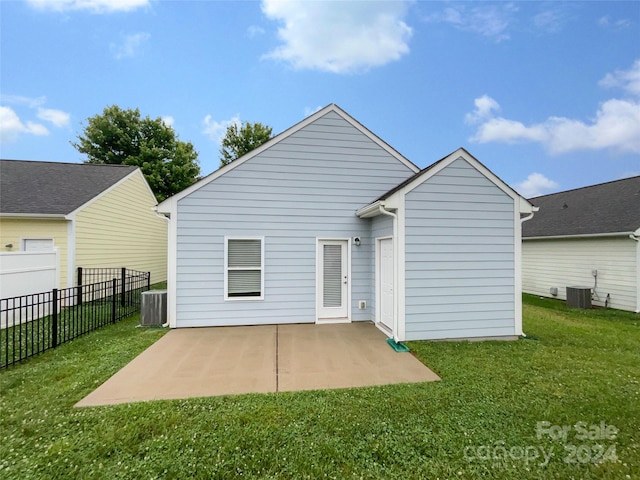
383,211
636,236
519,247
167,219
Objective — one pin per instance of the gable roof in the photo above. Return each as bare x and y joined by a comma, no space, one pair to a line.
165,205
612,207
51,188
426,173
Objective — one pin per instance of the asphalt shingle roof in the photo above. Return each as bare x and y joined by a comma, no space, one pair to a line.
50,188
611,207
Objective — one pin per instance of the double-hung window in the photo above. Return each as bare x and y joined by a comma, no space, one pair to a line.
244,268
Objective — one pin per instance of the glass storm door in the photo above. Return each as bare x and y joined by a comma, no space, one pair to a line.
333,280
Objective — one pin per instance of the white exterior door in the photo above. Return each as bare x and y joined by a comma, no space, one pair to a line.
386,283
333,280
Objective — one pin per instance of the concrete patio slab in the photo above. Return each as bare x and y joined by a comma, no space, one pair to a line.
202,362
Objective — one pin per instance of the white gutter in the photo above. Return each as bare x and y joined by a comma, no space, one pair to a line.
370,210
164,217
586,235
44,216
383,211
518,266
636,236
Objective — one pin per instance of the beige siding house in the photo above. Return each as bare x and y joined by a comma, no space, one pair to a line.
587,237
95,215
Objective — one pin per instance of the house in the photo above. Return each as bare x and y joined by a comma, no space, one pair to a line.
327,223
586,237
94,215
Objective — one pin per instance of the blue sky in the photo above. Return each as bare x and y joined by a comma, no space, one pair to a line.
546,94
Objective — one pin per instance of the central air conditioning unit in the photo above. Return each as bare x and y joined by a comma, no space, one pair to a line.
153,310
579,297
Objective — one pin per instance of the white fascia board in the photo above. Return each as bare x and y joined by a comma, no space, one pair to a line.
34,216
137,171
172,263
373,137
278,138
523,204
399,244
588,235
162,207
371,210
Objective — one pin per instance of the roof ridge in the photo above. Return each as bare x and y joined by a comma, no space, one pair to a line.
586,186
67,163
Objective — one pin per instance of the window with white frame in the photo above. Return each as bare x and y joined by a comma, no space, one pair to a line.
244,268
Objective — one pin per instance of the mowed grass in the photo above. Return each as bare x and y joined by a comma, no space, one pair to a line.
478,422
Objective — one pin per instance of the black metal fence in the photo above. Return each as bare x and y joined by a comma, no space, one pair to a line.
31,324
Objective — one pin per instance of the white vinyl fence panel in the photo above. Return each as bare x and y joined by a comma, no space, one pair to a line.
25,273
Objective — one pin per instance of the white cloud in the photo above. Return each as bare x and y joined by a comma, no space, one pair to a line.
485,105
94,6
57,117
344,37
254,31
130,45
22,100
608,22
490,21
168,120
508,131
615,126
628,80
11,127
217,130
535,185
550,20
308,111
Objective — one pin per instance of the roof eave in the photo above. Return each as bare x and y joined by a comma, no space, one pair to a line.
34,216
583,235
371,210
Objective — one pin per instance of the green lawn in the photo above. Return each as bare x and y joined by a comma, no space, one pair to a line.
574,367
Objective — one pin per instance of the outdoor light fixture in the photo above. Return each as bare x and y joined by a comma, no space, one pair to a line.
9,245
356,240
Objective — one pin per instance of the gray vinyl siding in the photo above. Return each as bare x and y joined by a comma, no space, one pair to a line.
307,186
568,262
459,257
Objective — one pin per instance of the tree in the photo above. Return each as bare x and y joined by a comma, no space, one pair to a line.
241,140
122,137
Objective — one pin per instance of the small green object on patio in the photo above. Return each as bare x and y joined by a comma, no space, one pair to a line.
397,346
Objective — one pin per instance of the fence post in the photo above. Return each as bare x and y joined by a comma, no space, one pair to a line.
54,318
114,289
123,286
79,284
148,281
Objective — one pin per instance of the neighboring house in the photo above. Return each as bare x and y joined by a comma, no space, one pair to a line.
327,223
95,215
587,237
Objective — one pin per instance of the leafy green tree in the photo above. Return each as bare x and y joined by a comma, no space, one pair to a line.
241,140
122,137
